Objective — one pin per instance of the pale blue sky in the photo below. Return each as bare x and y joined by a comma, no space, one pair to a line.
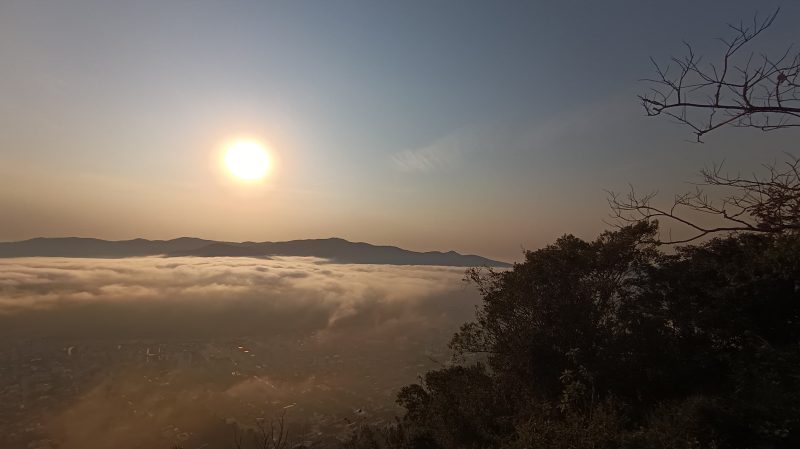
475,126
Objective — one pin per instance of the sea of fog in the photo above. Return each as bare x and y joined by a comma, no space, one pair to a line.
153,352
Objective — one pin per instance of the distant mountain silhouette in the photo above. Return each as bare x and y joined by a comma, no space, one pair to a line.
334,249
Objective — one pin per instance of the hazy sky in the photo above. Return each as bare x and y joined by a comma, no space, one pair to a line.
481,127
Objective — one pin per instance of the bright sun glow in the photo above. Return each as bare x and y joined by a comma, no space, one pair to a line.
247,160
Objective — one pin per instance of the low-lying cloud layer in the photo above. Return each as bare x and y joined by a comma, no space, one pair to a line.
152,352
205,297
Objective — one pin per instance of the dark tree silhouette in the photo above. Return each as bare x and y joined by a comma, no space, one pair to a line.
740,89
611,343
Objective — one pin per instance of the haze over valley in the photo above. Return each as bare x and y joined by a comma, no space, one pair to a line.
157,351
450,224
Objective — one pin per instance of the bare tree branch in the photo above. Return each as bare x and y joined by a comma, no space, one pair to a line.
742,90
768,204
267,434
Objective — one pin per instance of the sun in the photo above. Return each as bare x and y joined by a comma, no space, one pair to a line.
247,160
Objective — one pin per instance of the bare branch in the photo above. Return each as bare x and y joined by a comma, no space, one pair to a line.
741,90
768,204
267,434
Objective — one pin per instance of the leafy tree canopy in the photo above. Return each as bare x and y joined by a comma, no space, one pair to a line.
615,343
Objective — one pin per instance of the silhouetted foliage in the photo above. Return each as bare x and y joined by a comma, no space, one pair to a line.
611,343
614,343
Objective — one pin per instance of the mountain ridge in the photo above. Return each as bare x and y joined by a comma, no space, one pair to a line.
334,249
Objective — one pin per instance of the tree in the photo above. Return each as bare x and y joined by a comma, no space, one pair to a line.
768,204
741,89
613,344
562,316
